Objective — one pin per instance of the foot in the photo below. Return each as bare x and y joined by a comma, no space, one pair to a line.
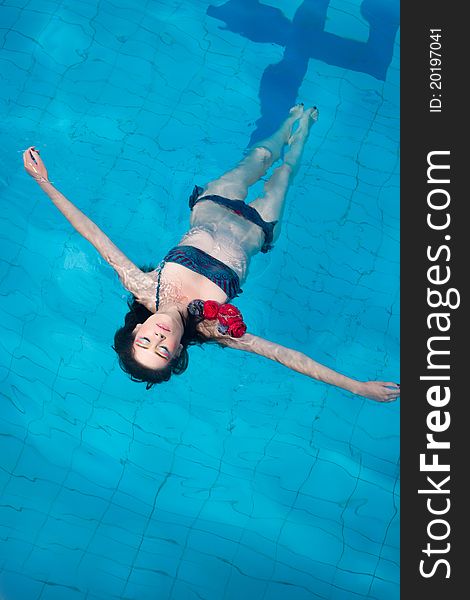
275,143
297,140
297,110
313,114
306,120
295,113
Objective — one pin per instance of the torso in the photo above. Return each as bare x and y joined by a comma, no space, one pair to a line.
180,284
217,231
225,235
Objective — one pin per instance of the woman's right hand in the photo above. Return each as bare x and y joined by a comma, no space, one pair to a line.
380,391
34,165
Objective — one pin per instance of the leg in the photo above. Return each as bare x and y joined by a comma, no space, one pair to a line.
271,205
235,183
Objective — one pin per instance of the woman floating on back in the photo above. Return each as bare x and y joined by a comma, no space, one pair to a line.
187,298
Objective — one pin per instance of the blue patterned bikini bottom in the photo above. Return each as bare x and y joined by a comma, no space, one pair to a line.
240,208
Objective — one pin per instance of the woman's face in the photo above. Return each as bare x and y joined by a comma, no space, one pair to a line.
157,340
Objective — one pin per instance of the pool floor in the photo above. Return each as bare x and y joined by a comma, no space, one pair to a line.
239,478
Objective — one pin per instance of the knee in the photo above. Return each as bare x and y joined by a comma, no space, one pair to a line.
262,154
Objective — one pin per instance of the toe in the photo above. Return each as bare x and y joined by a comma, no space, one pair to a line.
297,110
314,113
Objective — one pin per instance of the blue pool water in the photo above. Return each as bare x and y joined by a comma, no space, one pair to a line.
238,479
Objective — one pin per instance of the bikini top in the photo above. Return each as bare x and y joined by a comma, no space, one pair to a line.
200,262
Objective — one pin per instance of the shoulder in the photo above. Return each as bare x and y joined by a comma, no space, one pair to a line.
142,285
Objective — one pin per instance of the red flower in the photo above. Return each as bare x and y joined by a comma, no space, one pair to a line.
237,329
229,314
229,310
211,309
229,317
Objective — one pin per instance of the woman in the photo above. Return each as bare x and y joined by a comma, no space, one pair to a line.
180,302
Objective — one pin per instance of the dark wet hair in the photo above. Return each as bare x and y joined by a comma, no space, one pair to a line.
124,338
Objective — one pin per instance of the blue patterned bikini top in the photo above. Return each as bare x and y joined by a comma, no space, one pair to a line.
200,262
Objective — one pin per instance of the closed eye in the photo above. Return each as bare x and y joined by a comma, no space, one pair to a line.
163,352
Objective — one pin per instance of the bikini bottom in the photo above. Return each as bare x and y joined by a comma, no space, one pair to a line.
240,208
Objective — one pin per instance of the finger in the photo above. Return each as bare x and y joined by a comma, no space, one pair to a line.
28,162
27,153
391,384
34,155
31,156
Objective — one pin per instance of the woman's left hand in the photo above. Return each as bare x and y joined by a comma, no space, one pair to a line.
34,165
380,391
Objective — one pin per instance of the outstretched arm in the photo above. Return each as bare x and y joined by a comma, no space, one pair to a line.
130,275
381,391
